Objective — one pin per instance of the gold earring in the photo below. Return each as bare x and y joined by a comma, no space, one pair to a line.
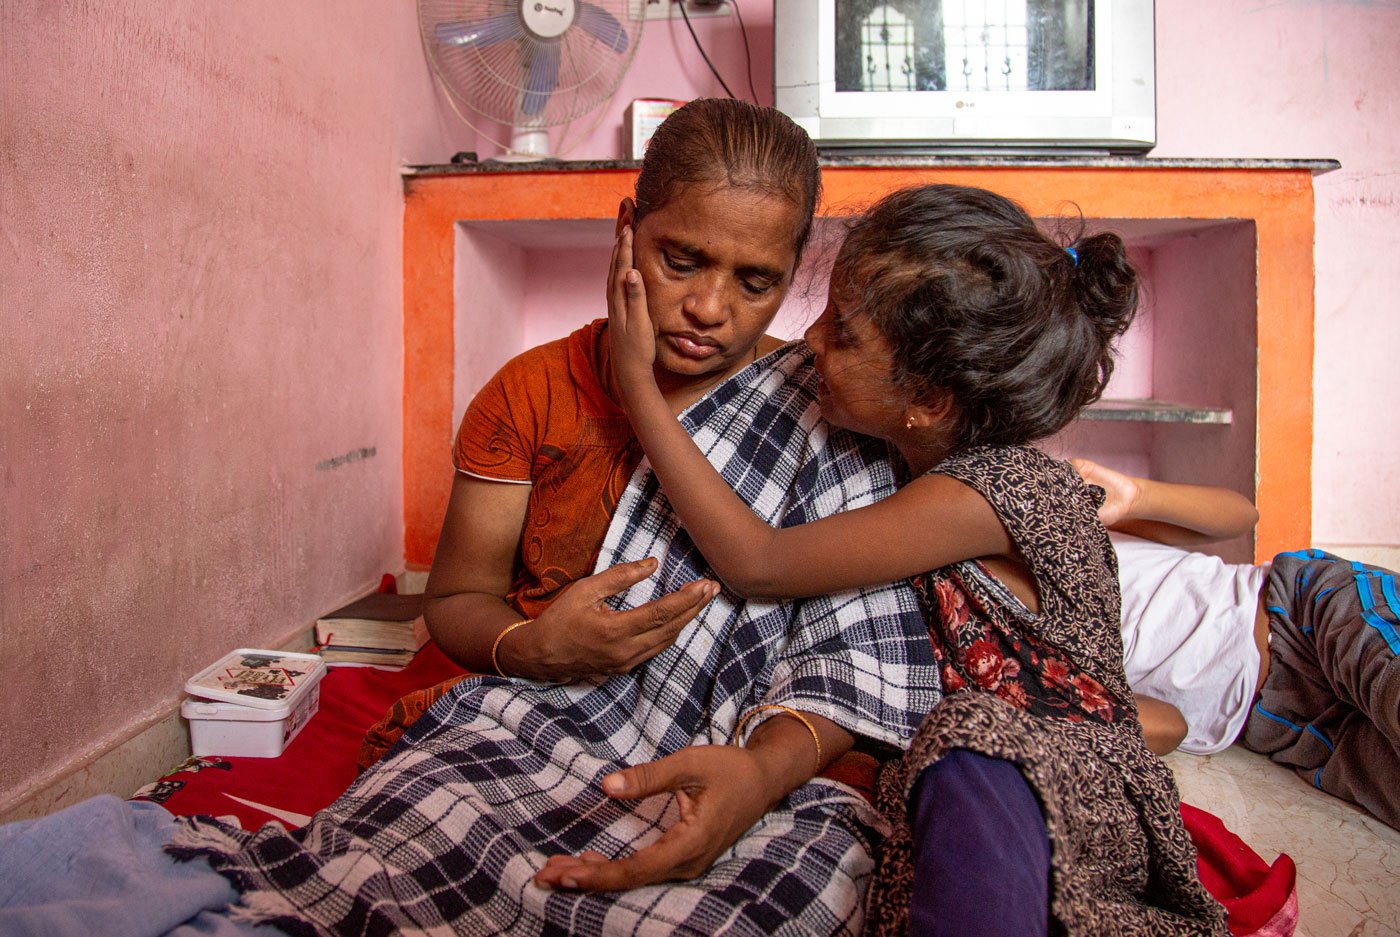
909,423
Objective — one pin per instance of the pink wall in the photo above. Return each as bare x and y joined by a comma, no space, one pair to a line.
201,286
1314,79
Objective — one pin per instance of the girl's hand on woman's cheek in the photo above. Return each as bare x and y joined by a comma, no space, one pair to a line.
632,340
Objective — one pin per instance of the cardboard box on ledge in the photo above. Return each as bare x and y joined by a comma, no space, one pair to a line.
642,118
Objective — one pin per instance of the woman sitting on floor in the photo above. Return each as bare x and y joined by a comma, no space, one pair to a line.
471,820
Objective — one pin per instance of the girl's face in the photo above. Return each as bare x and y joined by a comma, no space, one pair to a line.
716,263
854,361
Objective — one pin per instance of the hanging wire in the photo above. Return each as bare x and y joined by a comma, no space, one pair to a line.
748,58
686,16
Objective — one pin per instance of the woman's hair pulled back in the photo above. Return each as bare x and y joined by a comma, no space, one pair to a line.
978,302
723,141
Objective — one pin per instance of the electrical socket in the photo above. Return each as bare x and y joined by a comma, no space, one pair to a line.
671,9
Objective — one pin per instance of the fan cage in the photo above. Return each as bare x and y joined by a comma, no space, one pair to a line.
491,79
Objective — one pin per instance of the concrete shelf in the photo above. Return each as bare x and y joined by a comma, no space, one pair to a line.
1155,411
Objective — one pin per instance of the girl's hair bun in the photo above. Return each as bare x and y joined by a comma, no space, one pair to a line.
978,303
1105,283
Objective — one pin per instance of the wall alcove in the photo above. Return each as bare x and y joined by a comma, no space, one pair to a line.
1214,383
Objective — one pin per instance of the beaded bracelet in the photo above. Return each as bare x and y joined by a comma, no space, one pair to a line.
739,730
497,645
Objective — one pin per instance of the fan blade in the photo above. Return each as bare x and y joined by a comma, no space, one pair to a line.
543,76
480,34
603,26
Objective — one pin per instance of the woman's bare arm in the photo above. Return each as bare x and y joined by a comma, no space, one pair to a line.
473,568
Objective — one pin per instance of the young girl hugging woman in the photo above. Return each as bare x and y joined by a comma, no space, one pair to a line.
960,333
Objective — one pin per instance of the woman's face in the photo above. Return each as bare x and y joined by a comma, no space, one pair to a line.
716,263
854,360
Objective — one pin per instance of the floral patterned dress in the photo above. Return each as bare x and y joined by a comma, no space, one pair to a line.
1047,692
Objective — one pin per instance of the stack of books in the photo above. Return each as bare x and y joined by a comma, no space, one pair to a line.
381,630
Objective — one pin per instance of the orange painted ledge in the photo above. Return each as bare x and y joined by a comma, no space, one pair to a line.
1278,201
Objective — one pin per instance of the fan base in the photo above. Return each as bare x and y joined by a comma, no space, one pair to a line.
527,144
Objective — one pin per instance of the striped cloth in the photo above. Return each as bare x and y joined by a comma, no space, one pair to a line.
445,834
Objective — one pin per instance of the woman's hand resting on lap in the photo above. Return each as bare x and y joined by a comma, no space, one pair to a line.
721,791
717,790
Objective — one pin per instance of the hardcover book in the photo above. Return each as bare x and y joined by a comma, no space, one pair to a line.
380,630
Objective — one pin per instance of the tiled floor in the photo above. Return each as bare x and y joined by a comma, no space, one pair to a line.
1348,863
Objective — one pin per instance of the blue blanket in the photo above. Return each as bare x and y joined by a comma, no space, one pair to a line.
99,868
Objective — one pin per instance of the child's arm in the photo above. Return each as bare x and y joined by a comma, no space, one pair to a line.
1163,726
929,523
1182,515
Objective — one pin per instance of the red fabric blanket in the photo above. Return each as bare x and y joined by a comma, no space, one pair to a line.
1261,899
320,763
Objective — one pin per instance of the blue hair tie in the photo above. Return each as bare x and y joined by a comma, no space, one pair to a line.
1073,255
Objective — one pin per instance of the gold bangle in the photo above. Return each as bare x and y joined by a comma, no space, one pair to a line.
497,645
739,730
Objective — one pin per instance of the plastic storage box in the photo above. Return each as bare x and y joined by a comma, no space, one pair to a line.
252,702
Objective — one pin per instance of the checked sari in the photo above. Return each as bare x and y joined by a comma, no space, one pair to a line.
445,833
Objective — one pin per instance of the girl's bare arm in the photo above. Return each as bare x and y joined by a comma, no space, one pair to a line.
929,523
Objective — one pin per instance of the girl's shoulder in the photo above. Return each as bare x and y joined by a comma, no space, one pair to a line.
1016,466
1032,492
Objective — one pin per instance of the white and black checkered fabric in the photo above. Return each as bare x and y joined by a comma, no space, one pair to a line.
446,833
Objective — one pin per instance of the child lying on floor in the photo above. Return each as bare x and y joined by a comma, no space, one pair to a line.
1295,658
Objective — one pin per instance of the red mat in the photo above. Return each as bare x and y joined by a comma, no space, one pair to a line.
319,765
316,767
